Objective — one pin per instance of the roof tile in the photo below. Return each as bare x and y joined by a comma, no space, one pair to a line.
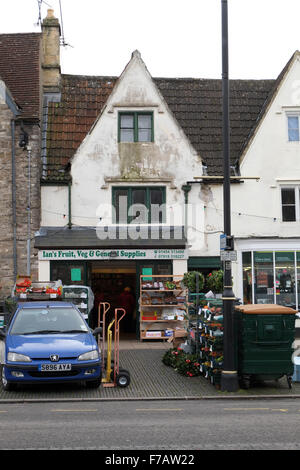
195,103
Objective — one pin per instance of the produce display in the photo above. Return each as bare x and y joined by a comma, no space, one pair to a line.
25,288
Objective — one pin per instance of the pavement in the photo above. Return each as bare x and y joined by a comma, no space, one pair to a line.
150,380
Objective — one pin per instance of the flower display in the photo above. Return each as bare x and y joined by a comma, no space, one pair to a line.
184,363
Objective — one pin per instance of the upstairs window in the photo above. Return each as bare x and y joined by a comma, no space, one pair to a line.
290,204
139,205
136,127
293,128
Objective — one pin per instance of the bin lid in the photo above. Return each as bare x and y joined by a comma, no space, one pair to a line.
265,309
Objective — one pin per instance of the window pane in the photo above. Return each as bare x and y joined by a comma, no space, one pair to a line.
121,202
127,135
264,278
156,207
285,278
293,128
247,278
126,128
144,121
288,204
127,121
288,196
288,213
144,128
144,135
138,211
139,196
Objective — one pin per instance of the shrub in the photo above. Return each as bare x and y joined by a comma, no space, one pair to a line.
189,280
214,281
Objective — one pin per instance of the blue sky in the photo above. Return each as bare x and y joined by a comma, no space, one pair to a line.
176,38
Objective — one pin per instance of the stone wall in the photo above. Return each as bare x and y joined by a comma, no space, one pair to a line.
6,233
22,192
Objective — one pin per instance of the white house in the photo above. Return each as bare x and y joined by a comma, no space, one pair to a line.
132,180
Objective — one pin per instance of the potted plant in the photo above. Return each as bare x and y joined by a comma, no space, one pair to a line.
190,281
170,285
214,281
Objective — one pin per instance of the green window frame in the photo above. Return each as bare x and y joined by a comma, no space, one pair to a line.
146,194
133,128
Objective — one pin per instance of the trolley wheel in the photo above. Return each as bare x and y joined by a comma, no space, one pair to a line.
123,378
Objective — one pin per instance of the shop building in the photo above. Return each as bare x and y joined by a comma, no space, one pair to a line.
132,177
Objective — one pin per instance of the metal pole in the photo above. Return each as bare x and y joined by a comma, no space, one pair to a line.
229,378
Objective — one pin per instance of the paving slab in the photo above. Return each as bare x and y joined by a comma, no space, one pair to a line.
150,380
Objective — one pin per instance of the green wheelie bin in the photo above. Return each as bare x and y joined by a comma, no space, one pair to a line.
265,336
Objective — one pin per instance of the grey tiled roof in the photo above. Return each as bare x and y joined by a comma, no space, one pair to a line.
197,106
195,103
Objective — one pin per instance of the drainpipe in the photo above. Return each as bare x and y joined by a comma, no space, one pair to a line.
13,192
69,204
29,212
186,189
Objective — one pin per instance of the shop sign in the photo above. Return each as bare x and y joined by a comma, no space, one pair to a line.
263,257
284,256
70,255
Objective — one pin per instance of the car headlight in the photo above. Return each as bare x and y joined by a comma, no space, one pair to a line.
15,357
89,356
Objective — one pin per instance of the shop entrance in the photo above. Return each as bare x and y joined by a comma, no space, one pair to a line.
115,282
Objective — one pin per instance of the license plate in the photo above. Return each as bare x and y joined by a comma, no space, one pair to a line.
54,367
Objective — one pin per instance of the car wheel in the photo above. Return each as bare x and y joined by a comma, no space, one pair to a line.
7,386
123,378
93,383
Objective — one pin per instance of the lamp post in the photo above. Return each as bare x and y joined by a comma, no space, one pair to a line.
229,378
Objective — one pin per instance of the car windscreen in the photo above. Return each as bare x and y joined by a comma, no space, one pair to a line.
48,320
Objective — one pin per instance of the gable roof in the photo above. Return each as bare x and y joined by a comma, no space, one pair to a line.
195,103
20,70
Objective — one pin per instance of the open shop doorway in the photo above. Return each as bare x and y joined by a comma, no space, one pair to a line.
115,282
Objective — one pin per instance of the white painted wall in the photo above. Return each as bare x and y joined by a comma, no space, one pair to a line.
54,206
170,160
256,205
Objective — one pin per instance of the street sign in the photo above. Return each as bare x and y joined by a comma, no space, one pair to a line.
222,241
228,255
226,242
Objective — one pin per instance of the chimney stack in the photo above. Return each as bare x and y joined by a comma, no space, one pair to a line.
51,53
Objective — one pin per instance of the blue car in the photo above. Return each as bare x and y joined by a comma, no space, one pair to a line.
50,342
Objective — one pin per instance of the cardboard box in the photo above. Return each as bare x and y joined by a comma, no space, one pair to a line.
169,333
180,333
153,334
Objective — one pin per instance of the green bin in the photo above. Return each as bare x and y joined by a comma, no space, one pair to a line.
265,336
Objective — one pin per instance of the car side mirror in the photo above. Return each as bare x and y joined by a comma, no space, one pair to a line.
97,331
